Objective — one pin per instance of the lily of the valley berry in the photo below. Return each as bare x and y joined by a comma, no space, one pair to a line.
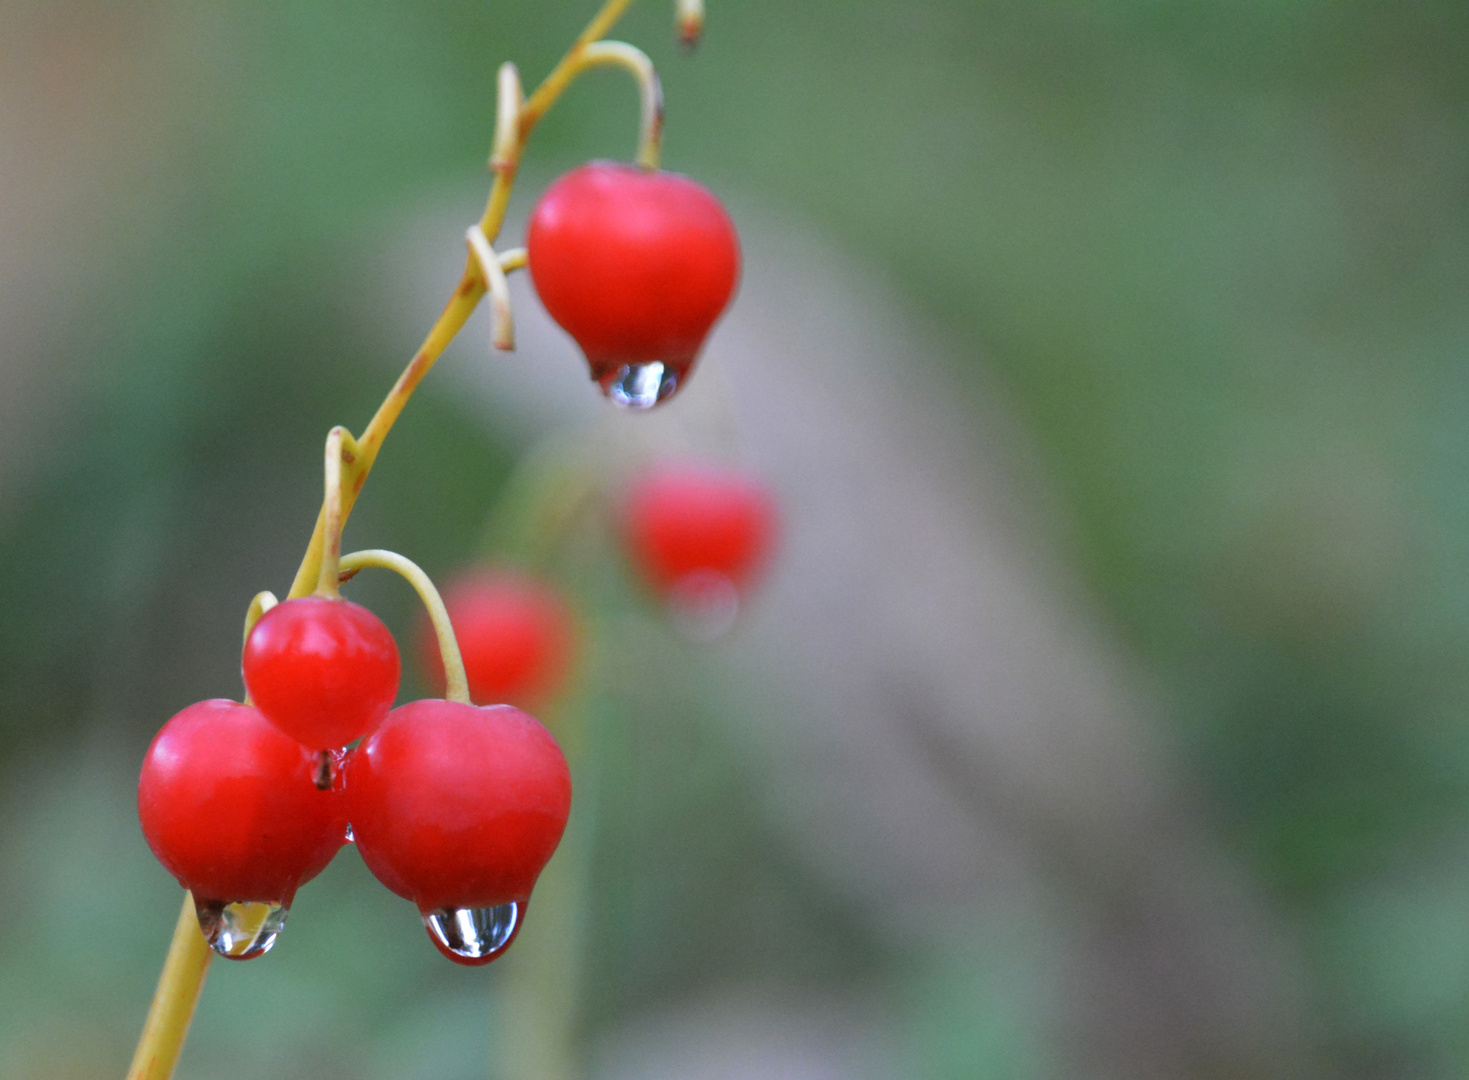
455,806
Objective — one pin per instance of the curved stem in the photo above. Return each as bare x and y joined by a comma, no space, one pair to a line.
259,605
505,152
173,1002
341,454
554,84
493,271
262,602
508,150
456,683
188,954
633,60
454,315
471,287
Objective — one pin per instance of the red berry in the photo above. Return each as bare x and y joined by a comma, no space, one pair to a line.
231,807
636,265
322,670
458,808
687,522
515,634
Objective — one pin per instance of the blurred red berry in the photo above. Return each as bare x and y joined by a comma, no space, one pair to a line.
516,635
689,523
322,670
231,805
636,265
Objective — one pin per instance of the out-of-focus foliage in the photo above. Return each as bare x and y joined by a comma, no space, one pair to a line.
1216,253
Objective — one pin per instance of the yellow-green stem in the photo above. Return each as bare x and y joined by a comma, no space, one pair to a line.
530,112
502,335
456,684
341,455
188,954
650,91
449,323
262,602
174,1000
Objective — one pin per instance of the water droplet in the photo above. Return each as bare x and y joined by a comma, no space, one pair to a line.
640,386
473,935
351,836
241,930
705,605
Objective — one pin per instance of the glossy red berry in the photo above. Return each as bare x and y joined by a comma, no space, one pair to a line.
635,264
686,522
515,634
458,808
322,670
233,808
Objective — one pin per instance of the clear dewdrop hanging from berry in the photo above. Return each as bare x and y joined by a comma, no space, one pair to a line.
242,930
474,936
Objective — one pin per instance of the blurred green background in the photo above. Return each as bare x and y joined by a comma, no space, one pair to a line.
1213,256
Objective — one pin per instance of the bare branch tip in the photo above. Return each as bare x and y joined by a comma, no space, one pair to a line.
689,17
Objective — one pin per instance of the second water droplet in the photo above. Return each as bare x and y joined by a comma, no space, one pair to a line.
241,930
473,935
640,386
705,605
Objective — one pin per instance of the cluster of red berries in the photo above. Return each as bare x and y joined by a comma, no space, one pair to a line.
454,806
457,806
457,803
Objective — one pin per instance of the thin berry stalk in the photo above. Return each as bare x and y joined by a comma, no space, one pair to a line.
188,956
173,1002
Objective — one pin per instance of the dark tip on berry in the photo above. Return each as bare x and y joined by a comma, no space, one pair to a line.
324,770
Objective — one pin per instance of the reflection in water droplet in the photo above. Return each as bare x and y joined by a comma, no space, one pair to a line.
242,930
704,605
640,386
473,935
